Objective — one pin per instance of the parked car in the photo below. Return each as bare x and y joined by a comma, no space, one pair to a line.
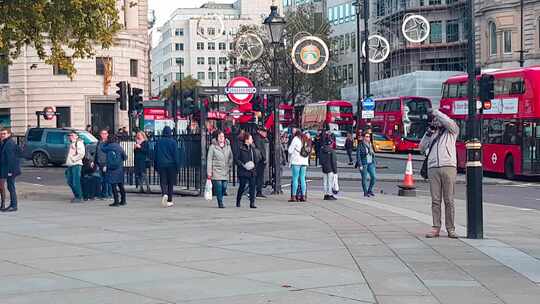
340,137
46,146
381,143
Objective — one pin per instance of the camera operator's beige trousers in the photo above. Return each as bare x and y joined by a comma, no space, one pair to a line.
441,184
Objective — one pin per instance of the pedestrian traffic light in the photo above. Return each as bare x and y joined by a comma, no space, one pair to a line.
257,104
137,100
486,90
122,95
188,104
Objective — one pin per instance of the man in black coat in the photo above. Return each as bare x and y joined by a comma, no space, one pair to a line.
329,167
261,141
11,167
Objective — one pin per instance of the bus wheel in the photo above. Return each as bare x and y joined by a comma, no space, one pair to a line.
509,168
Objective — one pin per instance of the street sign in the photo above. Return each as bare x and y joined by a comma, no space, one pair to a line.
236,114
49,113
270,90
240,90
368,108
210,90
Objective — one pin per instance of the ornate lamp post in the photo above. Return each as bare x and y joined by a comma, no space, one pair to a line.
276,25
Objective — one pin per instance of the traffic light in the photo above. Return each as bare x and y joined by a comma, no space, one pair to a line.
187,106
258,104
486,88
136,102
122,95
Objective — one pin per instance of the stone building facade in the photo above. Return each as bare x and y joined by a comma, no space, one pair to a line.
29,85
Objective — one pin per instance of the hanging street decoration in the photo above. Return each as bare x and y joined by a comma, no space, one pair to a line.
310,54
248,47
379,49
210,27
415,28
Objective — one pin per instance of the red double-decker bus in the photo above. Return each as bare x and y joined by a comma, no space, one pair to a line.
334,114
403,119
510,129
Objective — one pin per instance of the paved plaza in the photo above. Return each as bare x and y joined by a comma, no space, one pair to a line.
348,251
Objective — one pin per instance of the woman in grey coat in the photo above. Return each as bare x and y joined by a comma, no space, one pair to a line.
219,161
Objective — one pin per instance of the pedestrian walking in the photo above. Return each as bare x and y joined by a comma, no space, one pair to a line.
246,159
349,147
114,170
439,144
261,142
365,161
89,179
166,162
104,189
299,151
219,162
329,168
74,162
10,168
142,161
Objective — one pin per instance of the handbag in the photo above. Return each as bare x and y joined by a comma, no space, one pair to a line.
335,184
424,170
208,190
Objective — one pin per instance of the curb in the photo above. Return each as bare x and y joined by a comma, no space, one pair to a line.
180,192
417,180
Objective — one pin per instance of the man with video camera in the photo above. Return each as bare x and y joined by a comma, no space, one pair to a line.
439,146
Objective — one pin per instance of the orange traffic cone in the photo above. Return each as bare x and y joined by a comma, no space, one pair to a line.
407,188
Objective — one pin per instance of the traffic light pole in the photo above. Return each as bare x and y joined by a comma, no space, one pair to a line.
475,229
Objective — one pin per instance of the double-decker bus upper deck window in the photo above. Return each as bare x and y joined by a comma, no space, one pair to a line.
509,86
381,106
345,110
395,105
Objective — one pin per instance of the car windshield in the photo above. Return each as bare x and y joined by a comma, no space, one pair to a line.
87,137
339,133
380,137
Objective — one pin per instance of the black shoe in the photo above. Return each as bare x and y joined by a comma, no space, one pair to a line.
221,206
366,194
225,194
122,203
238,205
333,198
114,205
371,194
77,200
253,207
326,197
9,209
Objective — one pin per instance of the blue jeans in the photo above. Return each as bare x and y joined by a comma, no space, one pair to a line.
105,191
12,191
368,169
299,171
73,179
219,186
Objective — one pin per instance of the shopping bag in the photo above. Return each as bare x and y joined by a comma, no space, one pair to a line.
208,190
335,184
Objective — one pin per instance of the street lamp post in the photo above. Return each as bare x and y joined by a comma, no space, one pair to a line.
180,62
276,26
212,79
474,147
359,78
366,41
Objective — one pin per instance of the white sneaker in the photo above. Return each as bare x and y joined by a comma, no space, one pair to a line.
164,201
170,204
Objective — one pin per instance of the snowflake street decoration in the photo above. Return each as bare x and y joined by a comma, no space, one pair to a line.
248,47
210,27
379,49
310,54
415,28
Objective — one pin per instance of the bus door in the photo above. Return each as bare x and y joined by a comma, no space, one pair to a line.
531,147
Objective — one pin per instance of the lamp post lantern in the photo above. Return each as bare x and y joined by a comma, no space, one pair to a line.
276,25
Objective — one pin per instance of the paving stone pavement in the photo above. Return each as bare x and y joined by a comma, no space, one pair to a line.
347,251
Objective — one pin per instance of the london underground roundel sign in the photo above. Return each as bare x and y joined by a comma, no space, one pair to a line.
240,90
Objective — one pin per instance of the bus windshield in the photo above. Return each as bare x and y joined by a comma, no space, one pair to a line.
338,109
415,118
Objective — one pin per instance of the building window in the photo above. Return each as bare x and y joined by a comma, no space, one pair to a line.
232,74
222,75
4,73
211,75
222,60
211,60
211,45
179,76
452,31
57,70
133,67
100,64
64,119
492,39
231,46
351,77
211,31
435,32
353,41
179,60
507,35
200,45
179,46
179,32
200,75
435,2
200,60
222,46
330,14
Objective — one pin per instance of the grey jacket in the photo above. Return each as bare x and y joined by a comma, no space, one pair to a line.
219,161
444,150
